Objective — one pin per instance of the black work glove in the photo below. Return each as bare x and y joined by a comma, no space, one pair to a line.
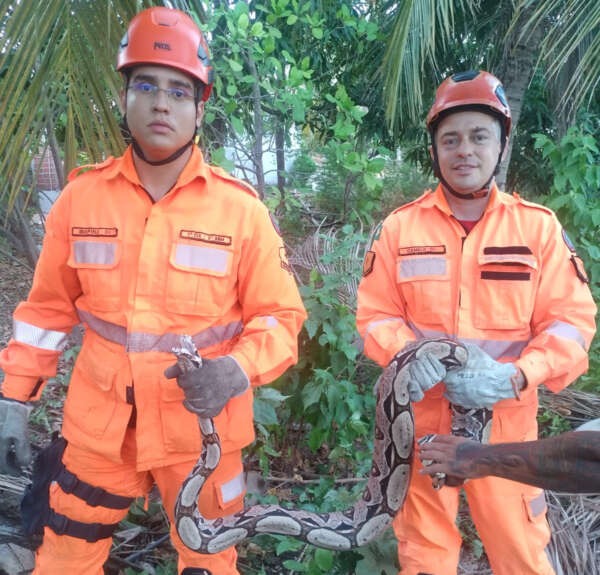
209,386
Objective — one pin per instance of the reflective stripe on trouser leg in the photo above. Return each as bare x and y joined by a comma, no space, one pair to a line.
428,539
62,554
222,494
511,521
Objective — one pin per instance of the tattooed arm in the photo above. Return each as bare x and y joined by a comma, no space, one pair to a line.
569,462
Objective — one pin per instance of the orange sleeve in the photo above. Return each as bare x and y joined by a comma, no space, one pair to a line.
381,313
563,321
46,317
272,309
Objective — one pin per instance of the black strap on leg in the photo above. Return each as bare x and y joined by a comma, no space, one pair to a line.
196,571
93,496
62,525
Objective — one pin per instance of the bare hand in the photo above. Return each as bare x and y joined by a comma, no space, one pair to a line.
452,455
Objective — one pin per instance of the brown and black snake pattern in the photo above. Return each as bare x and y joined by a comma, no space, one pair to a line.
382,496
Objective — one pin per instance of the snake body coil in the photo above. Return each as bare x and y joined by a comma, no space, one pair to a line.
381,499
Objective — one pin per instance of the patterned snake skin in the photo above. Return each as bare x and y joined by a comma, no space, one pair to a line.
381,499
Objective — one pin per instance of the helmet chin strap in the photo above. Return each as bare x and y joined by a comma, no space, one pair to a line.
140,153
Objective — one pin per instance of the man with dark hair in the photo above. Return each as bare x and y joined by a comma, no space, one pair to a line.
149,251
498,275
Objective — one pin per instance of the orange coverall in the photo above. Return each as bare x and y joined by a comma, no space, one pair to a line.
513,286
206,261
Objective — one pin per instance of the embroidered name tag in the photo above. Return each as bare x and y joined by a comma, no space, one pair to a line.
207,238
94,232
421,250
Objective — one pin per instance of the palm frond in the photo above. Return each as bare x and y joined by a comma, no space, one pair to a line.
57,67
420,27
573,34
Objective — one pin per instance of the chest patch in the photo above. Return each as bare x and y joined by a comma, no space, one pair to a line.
81,232
219,239
421,250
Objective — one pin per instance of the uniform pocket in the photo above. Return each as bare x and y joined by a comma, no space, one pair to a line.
97,265
92,404
515,421
180,429
505,290
199,279
535,506
424,283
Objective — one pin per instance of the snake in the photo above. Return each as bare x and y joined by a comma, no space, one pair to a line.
382,496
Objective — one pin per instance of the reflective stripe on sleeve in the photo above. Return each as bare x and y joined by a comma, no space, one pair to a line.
269,321
98,253
497,349
566,331
139,342
201,257
413,267
38,337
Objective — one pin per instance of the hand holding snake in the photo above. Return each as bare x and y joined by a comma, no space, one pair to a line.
382,496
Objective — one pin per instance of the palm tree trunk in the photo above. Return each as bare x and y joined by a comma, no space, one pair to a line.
516,70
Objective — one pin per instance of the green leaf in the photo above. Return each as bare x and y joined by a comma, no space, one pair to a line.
237,124
235,66
324,559
317,33
257,30
288,544
294,565
264,413
243,21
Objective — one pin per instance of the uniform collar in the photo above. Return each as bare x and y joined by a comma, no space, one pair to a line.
195,168
438,198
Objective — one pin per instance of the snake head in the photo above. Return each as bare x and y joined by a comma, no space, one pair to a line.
187,355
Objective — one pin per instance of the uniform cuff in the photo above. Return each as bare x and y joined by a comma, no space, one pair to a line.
535,373
22,387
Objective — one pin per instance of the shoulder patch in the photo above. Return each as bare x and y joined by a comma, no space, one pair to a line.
580,269
88,168
368,263
224,175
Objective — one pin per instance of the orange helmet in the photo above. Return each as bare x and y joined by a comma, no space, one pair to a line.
167,37
470,90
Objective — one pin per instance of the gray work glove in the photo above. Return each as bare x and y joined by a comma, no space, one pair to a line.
211,385
424,372
15,451
482,382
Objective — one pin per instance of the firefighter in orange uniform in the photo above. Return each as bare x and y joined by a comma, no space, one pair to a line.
500,275
147,250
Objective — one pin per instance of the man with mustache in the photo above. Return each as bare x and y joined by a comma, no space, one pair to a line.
499,275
